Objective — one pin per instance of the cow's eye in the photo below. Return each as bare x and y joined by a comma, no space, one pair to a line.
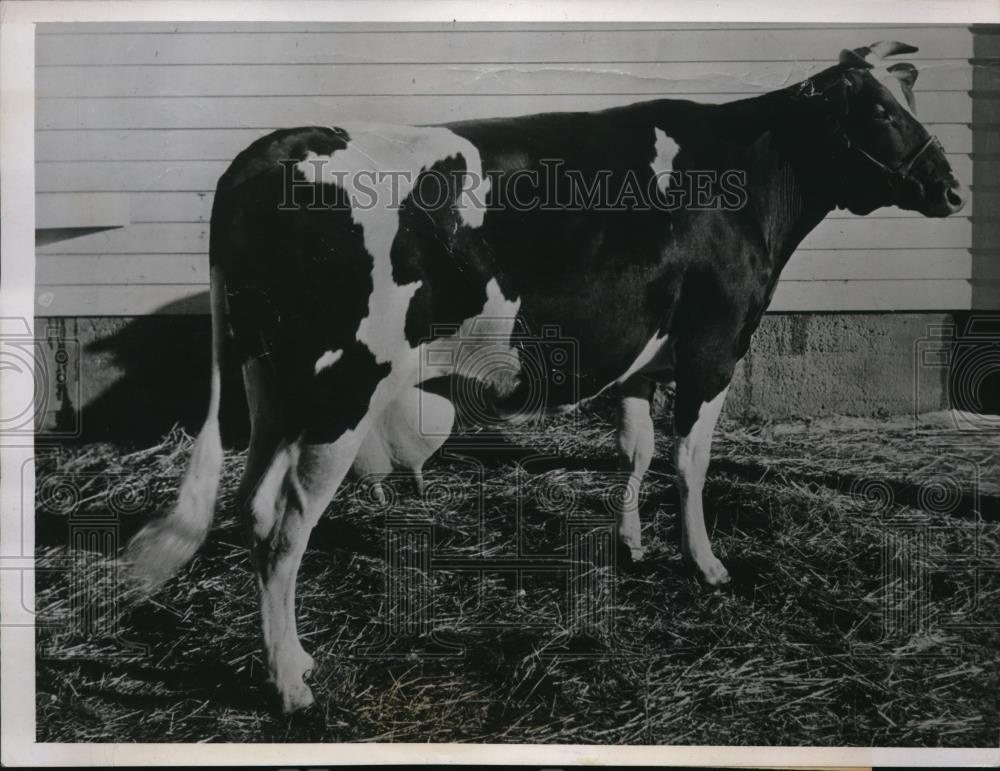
880,113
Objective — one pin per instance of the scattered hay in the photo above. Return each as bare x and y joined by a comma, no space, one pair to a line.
825,637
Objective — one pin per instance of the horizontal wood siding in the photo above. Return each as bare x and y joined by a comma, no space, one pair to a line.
986,165
196,176
221,144
839,234
855,295
811,265
156,112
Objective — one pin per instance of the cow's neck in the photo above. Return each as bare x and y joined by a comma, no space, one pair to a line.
787,180
783,199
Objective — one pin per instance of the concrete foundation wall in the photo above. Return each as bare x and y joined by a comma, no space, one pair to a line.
133,378
803,365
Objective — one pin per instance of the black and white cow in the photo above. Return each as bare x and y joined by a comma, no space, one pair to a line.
358,262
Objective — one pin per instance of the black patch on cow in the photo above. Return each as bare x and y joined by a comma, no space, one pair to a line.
268,152
338,397
584,277
435,246
298,281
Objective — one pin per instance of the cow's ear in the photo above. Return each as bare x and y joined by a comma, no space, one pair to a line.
906,74
855,58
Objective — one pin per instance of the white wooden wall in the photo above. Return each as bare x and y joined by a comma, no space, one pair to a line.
150,115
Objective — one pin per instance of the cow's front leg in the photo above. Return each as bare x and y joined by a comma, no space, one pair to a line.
635,449
694,421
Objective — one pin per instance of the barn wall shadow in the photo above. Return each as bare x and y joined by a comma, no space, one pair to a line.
144,375
157,368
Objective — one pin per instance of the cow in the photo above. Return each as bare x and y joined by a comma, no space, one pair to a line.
357,263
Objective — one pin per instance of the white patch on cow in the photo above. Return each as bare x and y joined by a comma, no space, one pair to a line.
663,163
691,456
496,310
264,503
410,429
635,447
378,170
480,349
646,357
881,73
327,360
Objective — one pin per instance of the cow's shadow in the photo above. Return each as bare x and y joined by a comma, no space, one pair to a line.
164,360
164,364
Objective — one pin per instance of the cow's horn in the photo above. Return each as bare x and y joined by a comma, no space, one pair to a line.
884,48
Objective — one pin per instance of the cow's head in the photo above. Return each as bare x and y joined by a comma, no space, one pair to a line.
881,153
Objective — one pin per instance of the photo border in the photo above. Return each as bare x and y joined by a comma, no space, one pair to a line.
17,199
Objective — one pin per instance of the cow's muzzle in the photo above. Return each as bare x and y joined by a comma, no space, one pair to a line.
946,199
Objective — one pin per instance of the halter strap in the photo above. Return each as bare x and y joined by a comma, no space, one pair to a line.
902,172
897,175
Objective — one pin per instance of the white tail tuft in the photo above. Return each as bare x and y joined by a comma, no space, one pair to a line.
163,546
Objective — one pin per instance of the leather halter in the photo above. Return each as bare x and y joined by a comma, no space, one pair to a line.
897,175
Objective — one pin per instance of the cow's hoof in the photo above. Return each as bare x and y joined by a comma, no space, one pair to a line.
306,664
293,694
710,571
630,551
295,698
630,537
713,573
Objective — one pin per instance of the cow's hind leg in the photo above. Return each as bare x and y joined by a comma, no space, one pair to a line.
635,449
265,428
297,487
260,497
301,480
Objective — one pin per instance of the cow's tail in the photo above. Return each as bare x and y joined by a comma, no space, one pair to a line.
163,546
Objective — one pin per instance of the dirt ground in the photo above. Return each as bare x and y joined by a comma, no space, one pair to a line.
864,608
